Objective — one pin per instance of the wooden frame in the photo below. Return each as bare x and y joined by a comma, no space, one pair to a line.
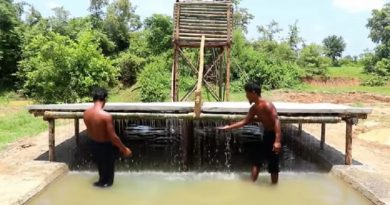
213,20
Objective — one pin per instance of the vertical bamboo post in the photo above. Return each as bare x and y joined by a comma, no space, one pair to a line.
220,78
198,92
227,90
175,67
77,131
323,127
348,142
300,129
52,145
187,143
175,74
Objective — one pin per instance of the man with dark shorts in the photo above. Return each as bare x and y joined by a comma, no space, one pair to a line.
105,142
264,112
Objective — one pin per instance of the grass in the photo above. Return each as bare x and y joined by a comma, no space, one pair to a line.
382,90
348,72
16,122
125,95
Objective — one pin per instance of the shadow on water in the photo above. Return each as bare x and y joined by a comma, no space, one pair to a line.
163,145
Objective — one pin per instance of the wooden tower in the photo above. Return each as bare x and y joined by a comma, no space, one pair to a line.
212,19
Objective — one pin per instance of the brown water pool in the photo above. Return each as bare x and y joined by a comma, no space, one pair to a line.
150,188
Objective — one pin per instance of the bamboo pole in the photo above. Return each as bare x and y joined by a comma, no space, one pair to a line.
348,142
77,131
227,89
188,61
208,21
50,115
198,91
52,145
300,129
192,44
206,32
204,12
322,144
220,55
182,24
175,80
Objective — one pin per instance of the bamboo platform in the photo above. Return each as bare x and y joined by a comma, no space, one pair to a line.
194,19
300,113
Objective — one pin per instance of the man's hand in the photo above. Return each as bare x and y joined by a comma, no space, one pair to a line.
277,147
127,152
227,127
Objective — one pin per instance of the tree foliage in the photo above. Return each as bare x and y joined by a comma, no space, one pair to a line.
10,41
313,61
379,25
159,31
334,47
154,80
120,21
57,69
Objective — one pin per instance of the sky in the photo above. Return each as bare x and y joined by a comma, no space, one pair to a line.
317,19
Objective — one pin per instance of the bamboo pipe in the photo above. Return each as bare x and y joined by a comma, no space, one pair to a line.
49,115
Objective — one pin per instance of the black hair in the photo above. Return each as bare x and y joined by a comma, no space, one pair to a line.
99,94
253,87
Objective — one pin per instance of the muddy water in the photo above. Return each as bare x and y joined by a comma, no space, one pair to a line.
150,188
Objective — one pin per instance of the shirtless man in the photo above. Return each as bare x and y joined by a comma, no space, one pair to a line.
264,112
105,142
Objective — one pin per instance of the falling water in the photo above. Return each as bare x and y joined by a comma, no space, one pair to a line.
170,145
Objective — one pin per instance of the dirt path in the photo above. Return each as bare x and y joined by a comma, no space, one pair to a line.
28,149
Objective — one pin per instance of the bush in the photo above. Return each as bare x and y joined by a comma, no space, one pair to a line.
57,69
369,60
129,66
236,86
154,80
382,67
271,73
186,83
313,61
375,81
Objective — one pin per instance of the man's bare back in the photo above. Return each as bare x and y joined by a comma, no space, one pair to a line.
97,122
100,127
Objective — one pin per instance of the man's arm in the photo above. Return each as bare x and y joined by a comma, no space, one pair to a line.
115,140
277,146
249,118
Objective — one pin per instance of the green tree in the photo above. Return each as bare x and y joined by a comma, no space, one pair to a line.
159,33
33,16
334,47
59,22
293,38
379,25
269,32
57,69
10,41
96,8
154,80
120,21
377,63
312,59
129,65
241,17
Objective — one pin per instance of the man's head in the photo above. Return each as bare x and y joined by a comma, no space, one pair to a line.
253,92
99,94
